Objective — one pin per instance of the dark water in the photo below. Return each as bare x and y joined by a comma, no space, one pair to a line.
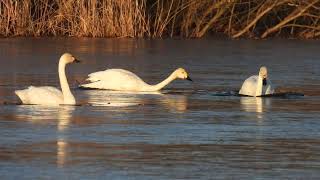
188,131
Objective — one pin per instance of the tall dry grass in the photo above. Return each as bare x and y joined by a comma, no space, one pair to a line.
94,18
160,18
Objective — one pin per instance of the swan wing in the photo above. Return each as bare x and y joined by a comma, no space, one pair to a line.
44,95
115,79
249,86
269,89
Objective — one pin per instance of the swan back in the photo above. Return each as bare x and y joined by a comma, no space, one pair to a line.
115,79
121,74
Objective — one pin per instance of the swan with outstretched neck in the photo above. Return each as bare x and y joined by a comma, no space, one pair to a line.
257,85
123,80
47,95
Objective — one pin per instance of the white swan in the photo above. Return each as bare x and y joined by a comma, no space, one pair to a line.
123,80
46,95
257,85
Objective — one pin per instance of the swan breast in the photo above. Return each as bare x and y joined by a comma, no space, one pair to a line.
249,86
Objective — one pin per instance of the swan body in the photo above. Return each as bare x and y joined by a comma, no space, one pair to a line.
257,85
123,80
40,95
47,95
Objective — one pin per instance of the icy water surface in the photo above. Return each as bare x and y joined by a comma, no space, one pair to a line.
199,130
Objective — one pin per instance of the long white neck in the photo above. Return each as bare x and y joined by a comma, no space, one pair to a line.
259,87
162,84
68,98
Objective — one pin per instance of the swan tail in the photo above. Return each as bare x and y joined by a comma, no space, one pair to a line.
22,94
96,76
93,85
85,87
92,79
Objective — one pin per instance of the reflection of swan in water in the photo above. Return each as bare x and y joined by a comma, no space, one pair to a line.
41,114
64,118
178,103
113,98
62,146
123,80
257,104
126,99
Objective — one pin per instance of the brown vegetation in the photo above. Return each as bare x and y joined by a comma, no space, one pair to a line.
160,18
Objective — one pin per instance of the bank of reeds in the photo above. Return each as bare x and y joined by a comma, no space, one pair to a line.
160,18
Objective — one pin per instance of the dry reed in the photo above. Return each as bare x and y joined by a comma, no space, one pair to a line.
160,18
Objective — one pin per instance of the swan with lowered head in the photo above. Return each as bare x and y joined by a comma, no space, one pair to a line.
47,95
257,85
123,80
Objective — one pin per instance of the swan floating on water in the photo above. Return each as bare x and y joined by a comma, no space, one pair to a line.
257,85
123,80
47,95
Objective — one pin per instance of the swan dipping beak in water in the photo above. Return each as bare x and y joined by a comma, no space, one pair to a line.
123,80
47,95
257,85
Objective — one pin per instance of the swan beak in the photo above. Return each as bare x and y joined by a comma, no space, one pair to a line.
77,61
264,81
188,78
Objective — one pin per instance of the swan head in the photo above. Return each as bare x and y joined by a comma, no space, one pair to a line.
68,58
182,74
263,73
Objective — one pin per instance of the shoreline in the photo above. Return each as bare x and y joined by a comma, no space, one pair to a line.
208,37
